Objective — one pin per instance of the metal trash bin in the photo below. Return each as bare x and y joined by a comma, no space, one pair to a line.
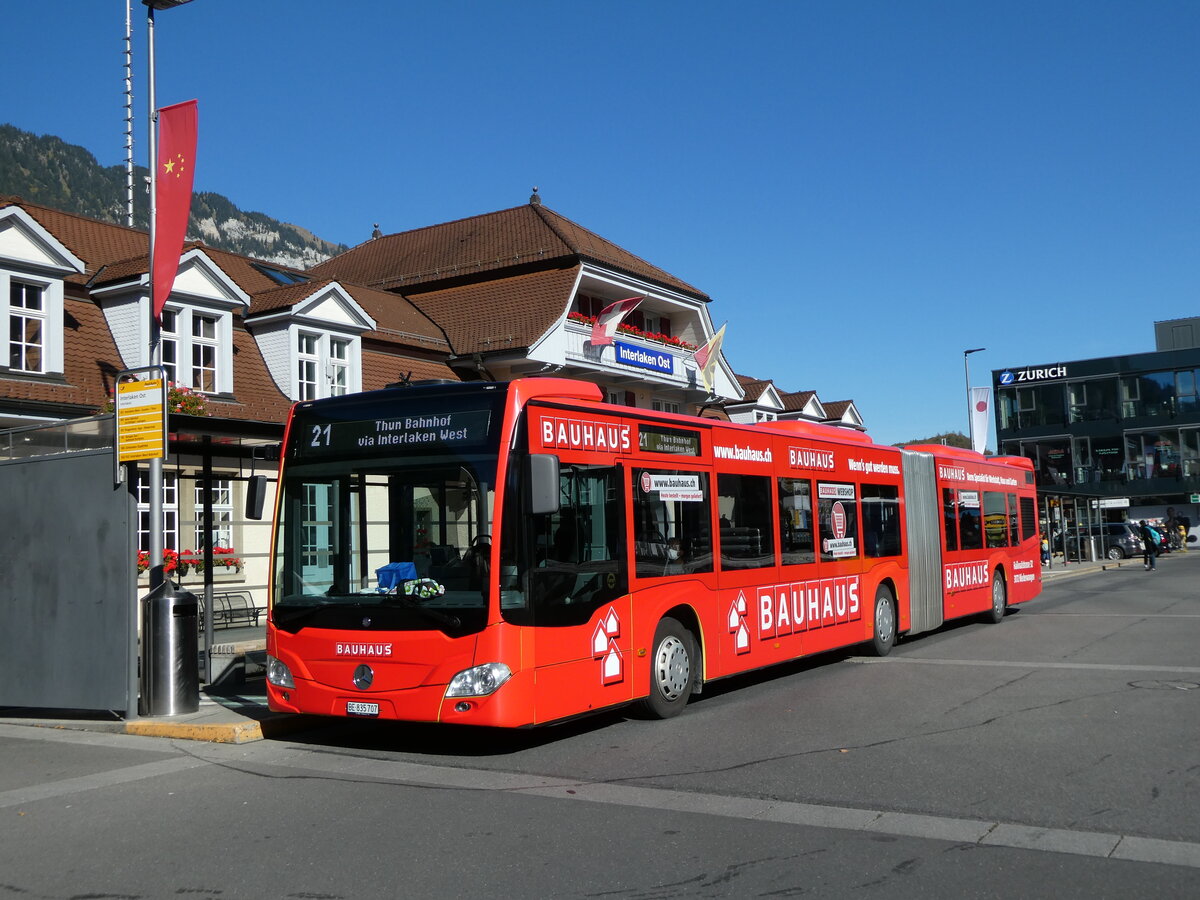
170,679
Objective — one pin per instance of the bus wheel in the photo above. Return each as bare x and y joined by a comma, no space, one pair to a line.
670,671
885,621
999,599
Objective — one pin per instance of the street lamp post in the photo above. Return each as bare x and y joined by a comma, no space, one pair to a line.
970,412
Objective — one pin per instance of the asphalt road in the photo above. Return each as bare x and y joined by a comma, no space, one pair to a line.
1056,754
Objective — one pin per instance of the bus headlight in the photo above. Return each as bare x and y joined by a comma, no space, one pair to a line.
479,681
279,674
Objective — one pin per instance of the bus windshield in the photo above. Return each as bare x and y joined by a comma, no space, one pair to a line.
386,508
351,536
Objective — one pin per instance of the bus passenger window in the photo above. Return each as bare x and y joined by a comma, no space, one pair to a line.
747,534
995,519
970,529
796,521
837,520
672,512
881,520
950,518
1029,522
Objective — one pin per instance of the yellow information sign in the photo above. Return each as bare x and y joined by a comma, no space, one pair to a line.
141,420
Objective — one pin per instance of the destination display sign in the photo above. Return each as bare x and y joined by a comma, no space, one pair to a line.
403,435
656,439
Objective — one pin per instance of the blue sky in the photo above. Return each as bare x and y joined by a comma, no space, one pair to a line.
865,189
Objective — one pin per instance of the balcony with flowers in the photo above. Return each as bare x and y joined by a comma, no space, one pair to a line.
633,331
670,351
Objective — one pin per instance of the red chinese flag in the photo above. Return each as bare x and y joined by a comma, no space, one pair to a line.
172,194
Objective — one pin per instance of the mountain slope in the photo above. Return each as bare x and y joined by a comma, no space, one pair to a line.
45,169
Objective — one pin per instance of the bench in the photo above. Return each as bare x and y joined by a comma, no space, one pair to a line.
231,608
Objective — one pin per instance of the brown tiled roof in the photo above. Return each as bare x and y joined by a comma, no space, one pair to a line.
797,400
241,270
91,364
382,369
406,341
123,270
284,297
97,243
472,247
835,409
752,388
503,314
398,319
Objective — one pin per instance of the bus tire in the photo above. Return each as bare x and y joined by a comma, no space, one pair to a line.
671,674
995,613
884,636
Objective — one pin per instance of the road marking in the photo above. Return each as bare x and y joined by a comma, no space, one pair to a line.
872,821
996,663
36,792
1042,615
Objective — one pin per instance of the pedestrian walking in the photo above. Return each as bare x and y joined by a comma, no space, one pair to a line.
1149,546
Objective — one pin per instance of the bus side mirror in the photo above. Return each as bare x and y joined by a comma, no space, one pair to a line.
256,493
543,483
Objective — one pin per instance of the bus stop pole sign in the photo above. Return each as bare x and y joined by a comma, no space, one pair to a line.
141,410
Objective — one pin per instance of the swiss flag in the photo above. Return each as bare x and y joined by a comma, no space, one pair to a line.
610,317
172,194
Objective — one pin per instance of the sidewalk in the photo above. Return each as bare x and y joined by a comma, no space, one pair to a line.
233,710
1060,570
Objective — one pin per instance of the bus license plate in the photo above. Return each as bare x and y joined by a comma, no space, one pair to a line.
354,708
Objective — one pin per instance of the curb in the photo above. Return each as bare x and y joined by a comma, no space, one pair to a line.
243,732
232,733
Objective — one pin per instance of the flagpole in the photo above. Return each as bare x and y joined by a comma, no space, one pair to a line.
970,414
156,464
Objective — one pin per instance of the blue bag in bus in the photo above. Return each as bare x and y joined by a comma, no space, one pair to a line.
394,574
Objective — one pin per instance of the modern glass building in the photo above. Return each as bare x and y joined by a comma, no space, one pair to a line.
1113,437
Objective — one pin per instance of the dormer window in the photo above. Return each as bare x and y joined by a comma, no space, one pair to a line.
192,349
26,327
324,365
33,266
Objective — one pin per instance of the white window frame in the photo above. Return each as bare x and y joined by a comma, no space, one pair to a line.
25,345
308,365
669,406
188,367
170,511
222,509
51,317
332,370
338,368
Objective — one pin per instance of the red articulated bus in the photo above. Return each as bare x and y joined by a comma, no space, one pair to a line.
514,554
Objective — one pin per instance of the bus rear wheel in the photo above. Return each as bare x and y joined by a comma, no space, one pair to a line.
999,599
885,622
670,670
